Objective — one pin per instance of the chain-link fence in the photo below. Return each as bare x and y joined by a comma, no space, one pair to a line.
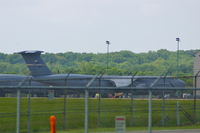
26,108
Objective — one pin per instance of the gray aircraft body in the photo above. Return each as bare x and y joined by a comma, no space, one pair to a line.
42,76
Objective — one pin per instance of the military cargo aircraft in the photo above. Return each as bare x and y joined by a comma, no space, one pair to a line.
42,76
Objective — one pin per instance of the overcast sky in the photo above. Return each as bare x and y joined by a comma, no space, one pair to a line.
84,25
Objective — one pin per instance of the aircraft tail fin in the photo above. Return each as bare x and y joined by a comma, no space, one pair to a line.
35,63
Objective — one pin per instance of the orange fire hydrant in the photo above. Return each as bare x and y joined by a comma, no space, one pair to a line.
52,124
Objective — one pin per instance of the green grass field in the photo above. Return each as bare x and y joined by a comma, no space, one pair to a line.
102,130
102,116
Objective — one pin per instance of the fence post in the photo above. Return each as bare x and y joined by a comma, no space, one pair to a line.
132,115
150,112
18,111
86,102
132,112
65,102
86,110
195,102
99,104
195,94
163,100
29,109
150,105
178,113
132,104
163,108
65,105
29,113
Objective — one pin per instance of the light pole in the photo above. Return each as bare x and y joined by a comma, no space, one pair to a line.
177,59
108,43
177,63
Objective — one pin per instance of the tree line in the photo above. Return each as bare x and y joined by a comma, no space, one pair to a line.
119,63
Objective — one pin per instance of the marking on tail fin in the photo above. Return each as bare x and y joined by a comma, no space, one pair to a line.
36,65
